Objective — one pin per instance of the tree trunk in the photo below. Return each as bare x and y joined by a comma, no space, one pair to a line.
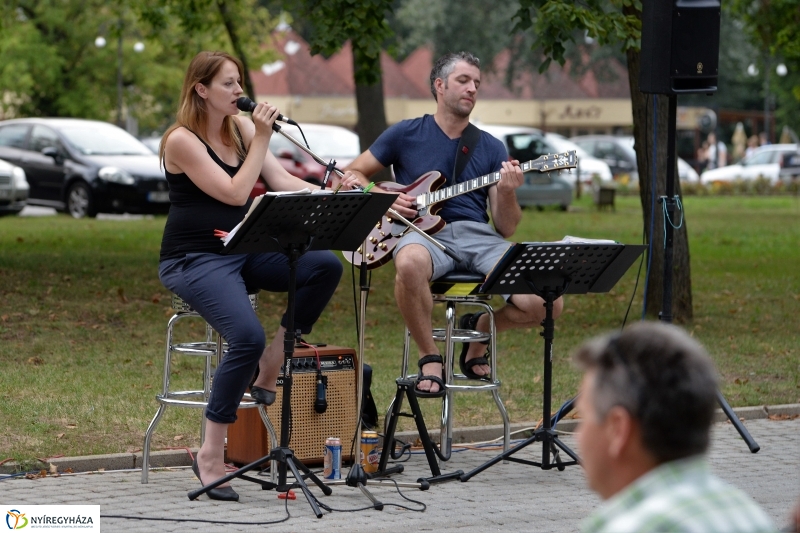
371,120
642,105
230,27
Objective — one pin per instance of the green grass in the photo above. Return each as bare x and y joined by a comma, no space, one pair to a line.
83,315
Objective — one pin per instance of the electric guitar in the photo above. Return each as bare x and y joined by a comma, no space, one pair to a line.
384,237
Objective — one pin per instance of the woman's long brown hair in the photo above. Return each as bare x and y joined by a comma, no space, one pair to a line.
192,113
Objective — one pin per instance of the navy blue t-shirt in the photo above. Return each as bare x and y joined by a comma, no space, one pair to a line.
419,145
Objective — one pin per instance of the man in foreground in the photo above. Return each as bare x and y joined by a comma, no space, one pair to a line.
647,402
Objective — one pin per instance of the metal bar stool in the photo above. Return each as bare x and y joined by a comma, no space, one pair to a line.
461,288
213,349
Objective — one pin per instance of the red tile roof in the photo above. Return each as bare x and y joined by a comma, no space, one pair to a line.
302,74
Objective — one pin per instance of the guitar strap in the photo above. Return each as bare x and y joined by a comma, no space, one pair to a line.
466,145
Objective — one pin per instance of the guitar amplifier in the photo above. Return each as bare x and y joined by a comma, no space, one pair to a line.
248,439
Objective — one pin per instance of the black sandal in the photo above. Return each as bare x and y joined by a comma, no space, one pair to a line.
470,322
433,358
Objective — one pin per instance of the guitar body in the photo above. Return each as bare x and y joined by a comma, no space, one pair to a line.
384,237
429,190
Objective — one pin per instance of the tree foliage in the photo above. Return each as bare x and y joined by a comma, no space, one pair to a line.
362,22
619,22
189,26
50,63
773,27
52,67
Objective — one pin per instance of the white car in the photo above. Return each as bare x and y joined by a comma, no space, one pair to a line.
686,172
14,189
764,162
526,144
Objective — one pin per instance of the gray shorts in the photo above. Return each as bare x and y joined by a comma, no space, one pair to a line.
478,245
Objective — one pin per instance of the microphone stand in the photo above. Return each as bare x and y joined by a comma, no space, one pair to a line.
357,477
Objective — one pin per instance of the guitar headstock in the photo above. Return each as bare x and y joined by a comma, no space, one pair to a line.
550,162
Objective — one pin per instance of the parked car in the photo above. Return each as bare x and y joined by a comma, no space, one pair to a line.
13,189
764,163
525,144
617,152
686,172
154,143
790,167
84,166
590,169
620,155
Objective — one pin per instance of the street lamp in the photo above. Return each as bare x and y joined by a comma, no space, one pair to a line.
138,47
781,71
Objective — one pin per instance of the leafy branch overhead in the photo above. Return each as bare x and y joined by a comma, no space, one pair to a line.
246,26
556,22
363,22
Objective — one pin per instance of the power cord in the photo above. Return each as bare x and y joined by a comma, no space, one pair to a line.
202,521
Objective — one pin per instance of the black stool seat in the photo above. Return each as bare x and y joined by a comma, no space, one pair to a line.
461,276
458,283
212,349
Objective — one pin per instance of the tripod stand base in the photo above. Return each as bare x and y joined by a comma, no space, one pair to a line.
285,458
405,388
550,445
726,408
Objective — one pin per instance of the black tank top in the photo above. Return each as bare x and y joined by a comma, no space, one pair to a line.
194,215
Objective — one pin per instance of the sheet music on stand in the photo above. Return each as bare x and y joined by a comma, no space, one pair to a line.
589,267
332,224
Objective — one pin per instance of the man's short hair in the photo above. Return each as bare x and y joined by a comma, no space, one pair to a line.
663,378
444,67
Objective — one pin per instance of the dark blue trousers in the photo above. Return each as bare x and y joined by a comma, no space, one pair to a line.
216,287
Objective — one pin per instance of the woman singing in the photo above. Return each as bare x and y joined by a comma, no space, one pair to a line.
212,159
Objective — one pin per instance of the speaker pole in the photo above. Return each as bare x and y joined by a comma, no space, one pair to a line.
669,202
687,69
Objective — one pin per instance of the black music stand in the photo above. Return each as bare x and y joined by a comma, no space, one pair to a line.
550,270
294,224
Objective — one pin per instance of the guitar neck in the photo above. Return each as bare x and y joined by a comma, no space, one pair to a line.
544,163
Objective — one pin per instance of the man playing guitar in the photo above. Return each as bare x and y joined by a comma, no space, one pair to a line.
431,142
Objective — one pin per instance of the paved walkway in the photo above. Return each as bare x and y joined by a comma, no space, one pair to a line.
505,497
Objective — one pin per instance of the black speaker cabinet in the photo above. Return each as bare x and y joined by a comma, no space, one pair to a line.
248,439
680,46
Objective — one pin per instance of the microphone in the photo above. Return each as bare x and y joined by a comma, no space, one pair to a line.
320,402
245,104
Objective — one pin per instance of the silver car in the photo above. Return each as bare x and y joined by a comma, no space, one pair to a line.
14,189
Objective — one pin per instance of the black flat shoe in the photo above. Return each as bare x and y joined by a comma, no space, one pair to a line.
267,397
226,494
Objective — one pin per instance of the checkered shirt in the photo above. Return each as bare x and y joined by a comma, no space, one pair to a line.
680,496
